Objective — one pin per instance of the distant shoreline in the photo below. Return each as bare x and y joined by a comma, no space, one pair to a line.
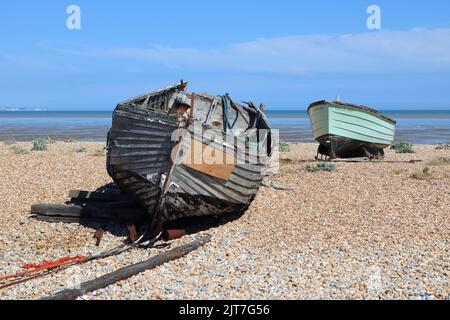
419,127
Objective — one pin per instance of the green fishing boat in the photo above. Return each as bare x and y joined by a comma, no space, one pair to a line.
350,131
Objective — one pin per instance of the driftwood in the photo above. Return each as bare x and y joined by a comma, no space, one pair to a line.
129,271
365,160
276,186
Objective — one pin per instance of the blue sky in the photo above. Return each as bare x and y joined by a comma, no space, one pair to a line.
284,53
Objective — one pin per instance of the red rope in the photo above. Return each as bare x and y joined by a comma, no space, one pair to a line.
48,265
53,264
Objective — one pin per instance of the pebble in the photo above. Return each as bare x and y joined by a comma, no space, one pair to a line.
366,231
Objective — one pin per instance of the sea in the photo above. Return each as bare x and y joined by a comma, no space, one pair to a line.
414,126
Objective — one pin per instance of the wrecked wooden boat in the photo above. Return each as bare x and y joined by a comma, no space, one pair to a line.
350,131
181,154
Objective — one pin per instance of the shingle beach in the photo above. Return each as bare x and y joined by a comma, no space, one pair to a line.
369,230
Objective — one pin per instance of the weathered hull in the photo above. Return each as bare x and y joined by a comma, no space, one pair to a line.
147,157
348,131
199,190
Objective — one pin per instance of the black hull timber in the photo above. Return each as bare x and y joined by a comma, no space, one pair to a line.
339,147
137,164
101,212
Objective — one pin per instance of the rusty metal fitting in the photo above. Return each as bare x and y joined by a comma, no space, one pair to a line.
173,234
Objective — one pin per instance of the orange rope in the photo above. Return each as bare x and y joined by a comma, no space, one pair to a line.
38,270
35,268
53,264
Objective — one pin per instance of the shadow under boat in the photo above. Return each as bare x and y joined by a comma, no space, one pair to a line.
110,210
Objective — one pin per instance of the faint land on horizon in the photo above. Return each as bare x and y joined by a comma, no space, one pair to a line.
416,126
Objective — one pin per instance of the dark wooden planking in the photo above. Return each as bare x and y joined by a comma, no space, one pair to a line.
153,161
131,161
127,137
87,212
136,132
137,145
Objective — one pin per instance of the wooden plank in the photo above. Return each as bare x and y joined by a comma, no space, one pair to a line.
209,160
129,271
78,220
84,220
189,181
91,211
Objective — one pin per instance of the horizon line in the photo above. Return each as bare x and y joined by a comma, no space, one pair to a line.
267,110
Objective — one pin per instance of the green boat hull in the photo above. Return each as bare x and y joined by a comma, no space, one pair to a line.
348,131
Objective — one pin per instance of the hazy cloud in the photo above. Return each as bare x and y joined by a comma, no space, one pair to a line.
416,50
